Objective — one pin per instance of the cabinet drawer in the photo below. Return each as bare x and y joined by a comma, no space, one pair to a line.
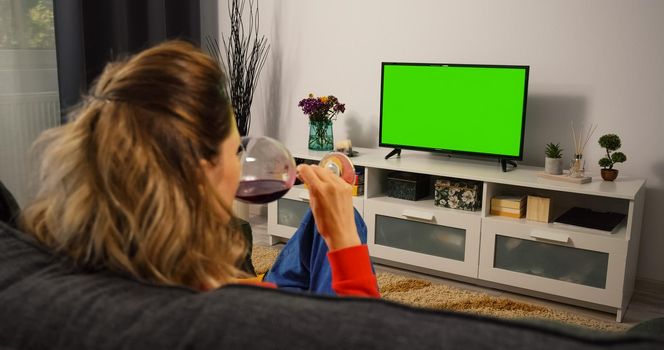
285,214
420,237
557,261
433,238
291,211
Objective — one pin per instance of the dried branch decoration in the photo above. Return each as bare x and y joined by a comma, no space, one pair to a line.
243,59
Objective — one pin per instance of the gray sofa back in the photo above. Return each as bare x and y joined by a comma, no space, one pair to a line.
45,303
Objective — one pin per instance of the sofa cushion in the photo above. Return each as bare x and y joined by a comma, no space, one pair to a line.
45,302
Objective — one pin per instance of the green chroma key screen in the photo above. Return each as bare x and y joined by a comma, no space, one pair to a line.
462,108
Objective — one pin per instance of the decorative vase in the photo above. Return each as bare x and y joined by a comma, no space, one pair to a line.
609,174
577,167
553,166
320,135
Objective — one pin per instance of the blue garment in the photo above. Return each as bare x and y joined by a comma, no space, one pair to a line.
302,265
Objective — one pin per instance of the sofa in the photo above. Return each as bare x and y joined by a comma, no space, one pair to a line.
48,303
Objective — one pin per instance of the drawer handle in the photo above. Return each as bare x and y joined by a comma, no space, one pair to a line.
551,236
416,214
304,196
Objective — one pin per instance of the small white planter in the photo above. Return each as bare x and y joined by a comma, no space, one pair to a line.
553,166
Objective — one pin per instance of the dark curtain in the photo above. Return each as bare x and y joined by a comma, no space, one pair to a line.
90,33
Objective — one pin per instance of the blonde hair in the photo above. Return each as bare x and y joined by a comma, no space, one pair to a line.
121,186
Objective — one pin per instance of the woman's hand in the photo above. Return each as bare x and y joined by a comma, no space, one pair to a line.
331,201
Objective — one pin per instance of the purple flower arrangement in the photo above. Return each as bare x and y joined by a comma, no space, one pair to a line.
324,108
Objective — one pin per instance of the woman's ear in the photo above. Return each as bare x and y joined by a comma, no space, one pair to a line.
208,168
204,163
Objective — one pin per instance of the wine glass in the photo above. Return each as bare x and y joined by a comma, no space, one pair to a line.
268,170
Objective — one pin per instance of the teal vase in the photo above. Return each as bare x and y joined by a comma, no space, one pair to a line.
320,135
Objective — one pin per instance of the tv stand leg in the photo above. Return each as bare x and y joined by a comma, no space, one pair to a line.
272,240
504,162
620,314
396,151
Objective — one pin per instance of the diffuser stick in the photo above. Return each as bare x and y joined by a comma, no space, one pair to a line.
576,145
591,131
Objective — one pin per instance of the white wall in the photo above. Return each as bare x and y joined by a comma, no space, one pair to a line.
592,61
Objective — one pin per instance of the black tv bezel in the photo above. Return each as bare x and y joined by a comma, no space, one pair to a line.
449,151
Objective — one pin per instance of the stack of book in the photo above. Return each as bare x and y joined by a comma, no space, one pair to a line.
510,206
358,183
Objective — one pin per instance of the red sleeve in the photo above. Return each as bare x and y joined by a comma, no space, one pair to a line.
351,272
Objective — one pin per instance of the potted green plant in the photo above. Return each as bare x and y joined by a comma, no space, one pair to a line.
553,163
610,142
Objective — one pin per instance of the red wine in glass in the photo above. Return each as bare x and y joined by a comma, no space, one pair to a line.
261,191
268,170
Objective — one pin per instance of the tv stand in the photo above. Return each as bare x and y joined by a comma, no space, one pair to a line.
504,162
559,262
396,151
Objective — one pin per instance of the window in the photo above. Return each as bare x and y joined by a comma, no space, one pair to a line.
29,100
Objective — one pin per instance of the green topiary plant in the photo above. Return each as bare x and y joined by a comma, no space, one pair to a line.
611,142
553,150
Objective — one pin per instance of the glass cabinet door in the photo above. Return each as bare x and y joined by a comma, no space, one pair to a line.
290,212
437,240
553,261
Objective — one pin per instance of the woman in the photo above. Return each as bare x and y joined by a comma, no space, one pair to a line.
142,180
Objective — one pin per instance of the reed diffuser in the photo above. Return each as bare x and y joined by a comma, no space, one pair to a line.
577,167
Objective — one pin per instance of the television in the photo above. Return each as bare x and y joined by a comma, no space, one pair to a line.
454,108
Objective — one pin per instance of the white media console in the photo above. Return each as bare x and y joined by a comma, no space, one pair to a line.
562,263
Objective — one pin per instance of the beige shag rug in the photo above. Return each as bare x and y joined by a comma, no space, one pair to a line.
431,295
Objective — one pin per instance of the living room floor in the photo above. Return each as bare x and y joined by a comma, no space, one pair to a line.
644,306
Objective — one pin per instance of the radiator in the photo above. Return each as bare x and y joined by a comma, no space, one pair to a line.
22,118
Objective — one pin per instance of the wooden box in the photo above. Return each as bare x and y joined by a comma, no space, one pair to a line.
538,209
